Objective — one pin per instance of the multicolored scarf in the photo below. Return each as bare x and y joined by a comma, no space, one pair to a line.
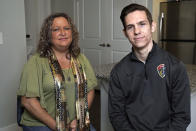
82,113
81,95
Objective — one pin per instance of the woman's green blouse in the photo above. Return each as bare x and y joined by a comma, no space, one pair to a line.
37,81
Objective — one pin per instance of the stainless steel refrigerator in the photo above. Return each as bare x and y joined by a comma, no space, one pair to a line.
178,29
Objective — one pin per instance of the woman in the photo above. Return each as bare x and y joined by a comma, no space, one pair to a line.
57,83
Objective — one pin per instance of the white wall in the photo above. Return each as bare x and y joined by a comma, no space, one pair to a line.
12,58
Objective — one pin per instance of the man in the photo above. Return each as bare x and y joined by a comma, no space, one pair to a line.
149,88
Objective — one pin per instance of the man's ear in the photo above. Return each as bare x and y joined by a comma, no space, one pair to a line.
153,26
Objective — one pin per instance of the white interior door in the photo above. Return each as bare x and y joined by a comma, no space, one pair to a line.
31,30
35,12
100,28
90,28
66,6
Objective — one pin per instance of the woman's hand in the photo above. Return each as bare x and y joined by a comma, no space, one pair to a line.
73,125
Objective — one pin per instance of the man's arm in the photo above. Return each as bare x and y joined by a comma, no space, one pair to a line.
116,106
180,99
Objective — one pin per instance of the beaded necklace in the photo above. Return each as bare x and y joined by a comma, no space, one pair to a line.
82,113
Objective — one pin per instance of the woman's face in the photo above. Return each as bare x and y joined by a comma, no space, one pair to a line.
61,34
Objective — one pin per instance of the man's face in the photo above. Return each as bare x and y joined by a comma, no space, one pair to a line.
138,29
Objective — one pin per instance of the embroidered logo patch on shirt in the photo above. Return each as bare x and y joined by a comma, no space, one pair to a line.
161,70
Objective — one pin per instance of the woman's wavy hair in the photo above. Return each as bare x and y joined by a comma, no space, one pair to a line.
44,44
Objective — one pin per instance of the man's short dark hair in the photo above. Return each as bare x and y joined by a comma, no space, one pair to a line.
134,7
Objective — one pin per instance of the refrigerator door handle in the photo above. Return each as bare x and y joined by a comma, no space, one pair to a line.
161,28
